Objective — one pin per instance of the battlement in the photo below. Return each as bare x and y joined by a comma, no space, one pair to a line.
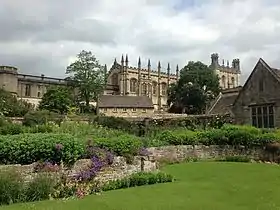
233,68
8,69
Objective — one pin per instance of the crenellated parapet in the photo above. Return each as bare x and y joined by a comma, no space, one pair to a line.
233,68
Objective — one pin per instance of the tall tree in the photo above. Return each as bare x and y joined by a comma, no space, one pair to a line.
57,99
88,76
197,86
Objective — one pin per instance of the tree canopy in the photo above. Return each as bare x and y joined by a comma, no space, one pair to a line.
88,76
57,99
197,86
11,107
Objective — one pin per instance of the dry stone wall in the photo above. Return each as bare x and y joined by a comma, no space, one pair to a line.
183,152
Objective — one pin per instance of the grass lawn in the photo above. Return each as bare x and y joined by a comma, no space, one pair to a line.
199,186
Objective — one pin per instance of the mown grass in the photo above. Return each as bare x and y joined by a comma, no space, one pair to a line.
199,185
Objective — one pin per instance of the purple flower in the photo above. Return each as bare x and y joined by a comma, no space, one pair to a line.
144,152
58,147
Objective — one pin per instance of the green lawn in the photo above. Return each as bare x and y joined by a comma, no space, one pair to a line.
199,186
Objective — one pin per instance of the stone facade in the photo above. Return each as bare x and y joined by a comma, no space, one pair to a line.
122,79
229,75
258,102
183,152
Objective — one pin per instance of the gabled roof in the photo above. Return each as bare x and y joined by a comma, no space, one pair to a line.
118,101
274,72
223,103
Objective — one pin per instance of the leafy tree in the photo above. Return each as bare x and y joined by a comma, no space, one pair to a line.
87,74
197,86
11,107
57,99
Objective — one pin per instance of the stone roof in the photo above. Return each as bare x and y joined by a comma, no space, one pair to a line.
223,103
117,101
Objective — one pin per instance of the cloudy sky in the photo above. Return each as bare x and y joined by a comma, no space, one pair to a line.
44,36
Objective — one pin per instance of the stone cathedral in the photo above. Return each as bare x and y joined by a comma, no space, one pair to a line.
126,80
139,81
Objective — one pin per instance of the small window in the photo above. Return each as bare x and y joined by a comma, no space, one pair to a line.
134,109
124,109
144,110
39,94
105,110
115,110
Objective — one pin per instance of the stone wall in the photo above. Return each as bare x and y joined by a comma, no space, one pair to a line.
179,153
119,169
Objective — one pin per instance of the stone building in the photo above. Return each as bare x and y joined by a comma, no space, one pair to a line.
229,75
138,81
122,80
257,103
126,106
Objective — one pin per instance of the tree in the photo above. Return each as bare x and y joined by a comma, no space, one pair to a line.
57,99
11,107
88,76
197,86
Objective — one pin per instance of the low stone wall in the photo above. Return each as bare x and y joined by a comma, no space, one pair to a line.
119,169
183,152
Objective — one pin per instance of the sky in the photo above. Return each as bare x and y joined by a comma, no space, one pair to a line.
44,36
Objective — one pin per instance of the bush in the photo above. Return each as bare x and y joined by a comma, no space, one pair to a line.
11,186
40,187
243,159
30,148
138,179
122,145
11,129
34,118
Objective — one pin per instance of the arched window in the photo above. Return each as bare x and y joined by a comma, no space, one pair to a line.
115,79
154,88
133,85
144,89
224,81
163,89
233,82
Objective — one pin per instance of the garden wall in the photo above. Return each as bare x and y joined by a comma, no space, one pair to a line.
183,152
118,170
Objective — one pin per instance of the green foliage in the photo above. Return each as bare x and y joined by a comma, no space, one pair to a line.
87,75
11,107
56,99
30,148
40,187
242,159
11,186
40,117
197,86
138,179
122,145
11,129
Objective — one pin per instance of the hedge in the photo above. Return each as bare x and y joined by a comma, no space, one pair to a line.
228,135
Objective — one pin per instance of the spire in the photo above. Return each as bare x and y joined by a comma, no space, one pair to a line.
105,73
126,60
223,62
168,68
149,63
115,61
177,71
122,60
139,61
227,63
159,66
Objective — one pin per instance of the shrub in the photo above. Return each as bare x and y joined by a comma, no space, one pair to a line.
120,145
243,159
11,129
138,179
213,137
11,186
40,187
40,117
30,148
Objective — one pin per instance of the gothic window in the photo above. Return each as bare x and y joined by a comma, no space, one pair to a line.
224,81
163,89
233,82
28,90
262,116
144,89
154,88
133,85
115,79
